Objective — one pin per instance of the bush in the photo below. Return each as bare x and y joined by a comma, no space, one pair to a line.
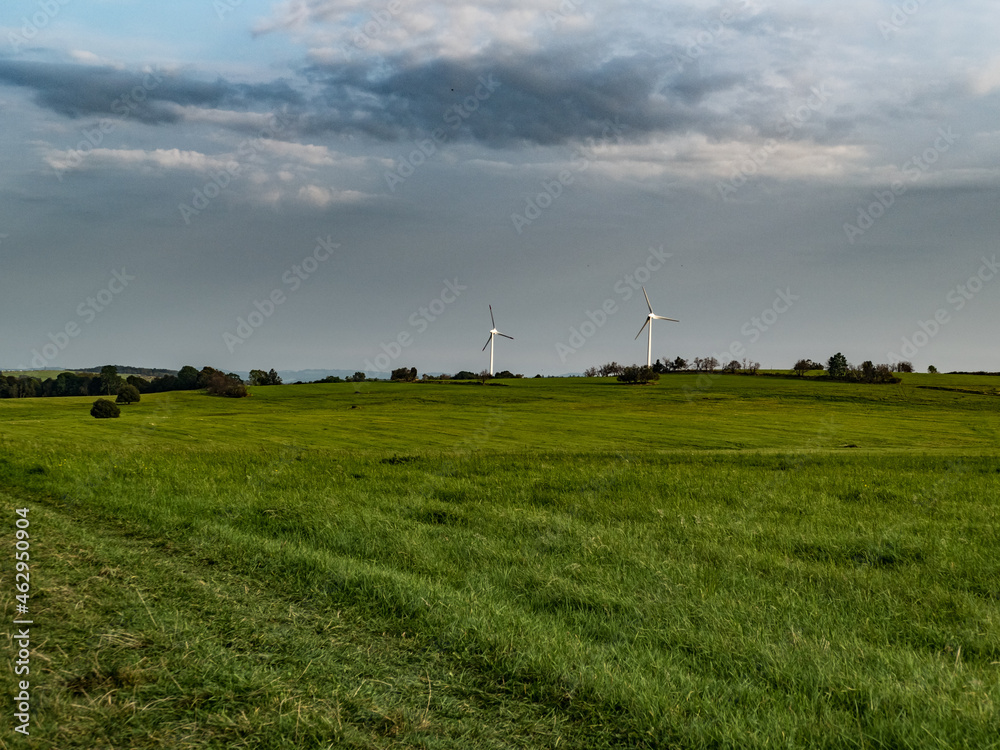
259,377
129,394
405,374
636,375
805,365
226,385
104,409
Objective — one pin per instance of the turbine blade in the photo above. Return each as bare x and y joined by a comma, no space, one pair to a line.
647,299
488,342
660,317
505,335
491,316
642,329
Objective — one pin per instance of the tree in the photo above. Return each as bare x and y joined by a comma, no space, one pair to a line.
259,377
505,374
710,363
732,367
679,364
590,372
230,385
638,375
483,376
805,365
359,377
187,378
110,382
404,374
140,384
903,367
464,375
932,369
611,368
837,366
128,394
104,409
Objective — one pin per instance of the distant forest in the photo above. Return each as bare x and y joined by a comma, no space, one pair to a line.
108,380
149,372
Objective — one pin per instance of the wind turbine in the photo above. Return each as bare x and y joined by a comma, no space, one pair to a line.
494,332
649,322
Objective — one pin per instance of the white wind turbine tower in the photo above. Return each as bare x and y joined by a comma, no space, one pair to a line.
649,322
494,332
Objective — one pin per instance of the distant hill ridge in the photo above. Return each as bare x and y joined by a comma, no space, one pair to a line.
126,370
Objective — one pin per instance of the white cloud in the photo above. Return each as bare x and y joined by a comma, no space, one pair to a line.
321,197
146,161
256,121
696,158
301,153
85,57
448,28
986,79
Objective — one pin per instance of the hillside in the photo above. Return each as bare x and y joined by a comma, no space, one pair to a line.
755,563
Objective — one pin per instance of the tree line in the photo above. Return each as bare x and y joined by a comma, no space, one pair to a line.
108,382
836,368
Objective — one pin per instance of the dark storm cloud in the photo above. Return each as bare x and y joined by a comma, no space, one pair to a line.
537,100
84,91
498,99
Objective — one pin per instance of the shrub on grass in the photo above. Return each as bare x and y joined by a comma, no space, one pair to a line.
226,385
636,375
129,394
104,409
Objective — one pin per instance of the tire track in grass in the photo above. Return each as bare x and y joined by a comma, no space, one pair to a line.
147,644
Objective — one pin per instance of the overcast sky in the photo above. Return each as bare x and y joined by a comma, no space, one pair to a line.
315,183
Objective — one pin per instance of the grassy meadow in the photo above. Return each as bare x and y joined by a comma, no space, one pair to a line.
731,562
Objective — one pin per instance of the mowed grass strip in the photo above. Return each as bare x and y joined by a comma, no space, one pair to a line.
143,643
827,597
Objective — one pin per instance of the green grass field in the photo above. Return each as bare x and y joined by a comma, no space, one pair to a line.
738,562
